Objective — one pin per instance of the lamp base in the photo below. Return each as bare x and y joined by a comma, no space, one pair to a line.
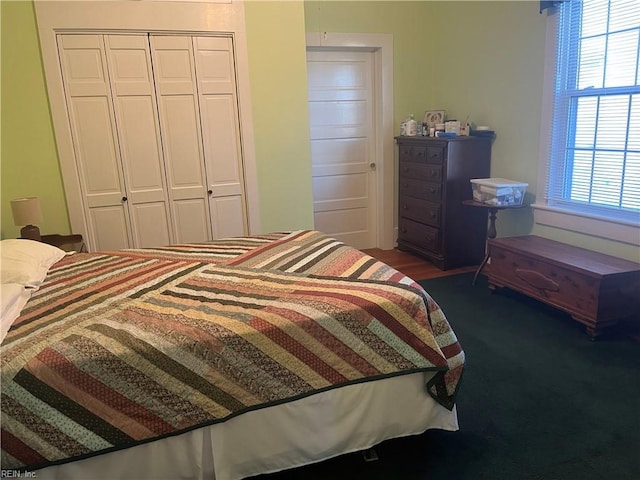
30,232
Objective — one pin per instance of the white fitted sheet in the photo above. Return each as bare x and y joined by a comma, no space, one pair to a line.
304,431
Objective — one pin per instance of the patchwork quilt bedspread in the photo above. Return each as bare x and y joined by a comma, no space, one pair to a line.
121,348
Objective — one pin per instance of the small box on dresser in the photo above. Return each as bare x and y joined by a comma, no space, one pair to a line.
597,290
434,180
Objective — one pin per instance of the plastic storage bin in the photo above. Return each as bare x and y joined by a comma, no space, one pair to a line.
498,191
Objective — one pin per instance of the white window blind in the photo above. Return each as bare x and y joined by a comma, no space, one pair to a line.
594,165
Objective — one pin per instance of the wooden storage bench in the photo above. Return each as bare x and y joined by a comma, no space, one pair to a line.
596,289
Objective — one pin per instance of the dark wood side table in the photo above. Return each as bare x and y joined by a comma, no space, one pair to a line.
491,232
68,243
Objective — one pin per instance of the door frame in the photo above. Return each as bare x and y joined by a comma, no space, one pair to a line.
381,45
192,18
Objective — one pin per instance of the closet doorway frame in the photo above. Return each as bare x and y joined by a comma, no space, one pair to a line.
126,17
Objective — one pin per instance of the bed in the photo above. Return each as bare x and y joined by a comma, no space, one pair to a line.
219,361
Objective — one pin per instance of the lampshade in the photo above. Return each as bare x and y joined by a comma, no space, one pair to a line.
26,211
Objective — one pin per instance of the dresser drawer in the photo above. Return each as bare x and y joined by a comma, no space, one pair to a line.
419,234
420,210
413,153
435,154
420,189
421,171
421,154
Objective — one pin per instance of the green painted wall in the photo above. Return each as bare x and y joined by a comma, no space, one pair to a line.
415,76
494,76
29,162
278,75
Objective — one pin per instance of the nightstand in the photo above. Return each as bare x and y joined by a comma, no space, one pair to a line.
68,243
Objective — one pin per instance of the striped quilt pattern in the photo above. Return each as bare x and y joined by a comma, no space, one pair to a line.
121,348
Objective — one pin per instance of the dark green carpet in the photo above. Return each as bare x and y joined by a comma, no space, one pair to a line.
538,400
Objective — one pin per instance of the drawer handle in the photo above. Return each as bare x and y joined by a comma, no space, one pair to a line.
404,207
403,230
434,173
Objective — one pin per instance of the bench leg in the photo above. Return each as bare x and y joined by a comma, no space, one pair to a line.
594,333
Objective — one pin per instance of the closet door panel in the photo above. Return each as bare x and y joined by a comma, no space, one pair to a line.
185,168
109,228
151,222
180,125
83,65
96,149
192,220
228,216
215,66
129,60
173,65
222,152
221,145
142,157
95,143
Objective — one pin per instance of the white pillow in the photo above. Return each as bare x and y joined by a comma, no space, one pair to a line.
26,262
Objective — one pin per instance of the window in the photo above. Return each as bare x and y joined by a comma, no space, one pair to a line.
594,150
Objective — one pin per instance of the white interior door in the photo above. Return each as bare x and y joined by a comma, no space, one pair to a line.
341,111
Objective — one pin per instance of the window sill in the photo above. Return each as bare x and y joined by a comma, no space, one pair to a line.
588,225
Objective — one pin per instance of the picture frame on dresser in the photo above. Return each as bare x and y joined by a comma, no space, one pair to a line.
434,117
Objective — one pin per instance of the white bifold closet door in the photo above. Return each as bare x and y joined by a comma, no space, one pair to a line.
198,114
218,105
139,138
157,151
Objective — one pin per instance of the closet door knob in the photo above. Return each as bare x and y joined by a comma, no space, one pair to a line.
124,199
210,192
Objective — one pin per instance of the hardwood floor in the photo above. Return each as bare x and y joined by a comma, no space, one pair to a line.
412,265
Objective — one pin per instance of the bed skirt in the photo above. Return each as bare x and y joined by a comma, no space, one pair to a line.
308,430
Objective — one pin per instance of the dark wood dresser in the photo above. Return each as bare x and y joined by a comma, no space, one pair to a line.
595,289
434,175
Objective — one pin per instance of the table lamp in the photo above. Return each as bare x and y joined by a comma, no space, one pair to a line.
26,211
